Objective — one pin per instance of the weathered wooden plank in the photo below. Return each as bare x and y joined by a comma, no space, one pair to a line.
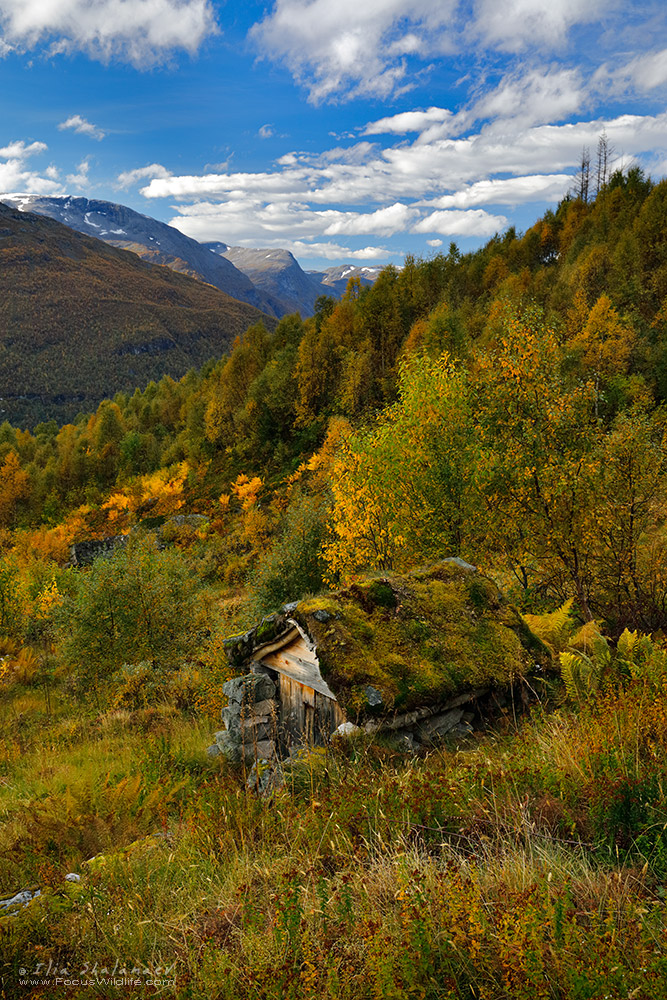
294,666
282,640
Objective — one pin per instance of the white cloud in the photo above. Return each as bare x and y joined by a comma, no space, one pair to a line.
301,249
16,177
434,243
333,251
438,187
439,168
348,49
643,73
81,178
5,49
508,191
383,222
475,222
532,97
82,126
18,150
265,132
140,31
348,46
408,121
245,217
129,178
513,25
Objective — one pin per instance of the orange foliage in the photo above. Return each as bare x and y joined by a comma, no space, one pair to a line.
14,486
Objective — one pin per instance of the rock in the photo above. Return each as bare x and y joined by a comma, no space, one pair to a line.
213,750
230,745
289,608
72,877
265,707
461,563
85,553
265,778
373,696
439,725
403,740
322,616
249,689
264,689
256,731
347,729
265,750
231,714
21,899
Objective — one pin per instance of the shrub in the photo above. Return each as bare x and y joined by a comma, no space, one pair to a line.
140,605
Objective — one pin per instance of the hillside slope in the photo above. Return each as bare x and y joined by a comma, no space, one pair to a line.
81,320
152,240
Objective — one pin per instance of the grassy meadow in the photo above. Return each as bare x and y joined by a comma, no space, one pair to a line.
525,861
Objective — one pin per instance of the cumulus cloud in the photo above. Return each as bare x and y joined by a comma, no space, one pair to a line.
83,127
16,176
508,191
408,121
383,222
475,222
444,186
434,243
514,24
207,230
80,179
348,49
265,132
19,150
142,32
532,97
347,46
643,73
280,220
128,178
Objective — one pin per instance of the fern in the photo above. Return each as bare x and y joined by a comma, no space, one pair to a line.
583,662
641,658
581,675
627,644
554,628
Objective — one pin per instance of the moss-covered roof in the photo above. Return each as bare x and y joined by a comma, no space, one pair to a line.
417,639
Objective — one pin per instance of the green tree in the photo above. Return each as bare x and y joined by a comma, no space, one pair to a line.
406,489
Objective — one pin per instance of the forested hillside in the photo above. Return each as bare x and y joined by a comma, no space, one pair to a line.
505,406
487,403
80,320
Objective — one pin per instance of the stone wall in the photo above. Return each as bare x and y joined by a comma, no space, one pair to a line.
250,720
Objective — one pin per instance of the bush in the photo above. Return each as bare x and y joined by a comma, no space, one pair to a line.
140,605
293,566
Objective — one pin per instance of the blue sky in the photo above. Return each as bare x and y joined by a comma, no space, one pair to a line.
354,130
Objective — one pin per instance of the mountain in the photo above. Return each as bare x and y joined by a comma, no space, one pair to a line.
81,320
270,280
335,279
154,241
278,274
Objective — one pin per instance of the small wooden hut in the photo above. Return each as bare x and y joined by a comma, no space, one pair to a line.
308,708
413,654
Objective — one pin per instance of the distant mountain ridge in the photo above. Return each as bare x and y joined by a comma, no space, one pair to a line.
81,320
269,279
278,274
336,278
150,239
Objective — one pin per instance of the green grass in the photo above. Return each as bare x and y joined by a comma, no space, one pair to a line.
524,862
